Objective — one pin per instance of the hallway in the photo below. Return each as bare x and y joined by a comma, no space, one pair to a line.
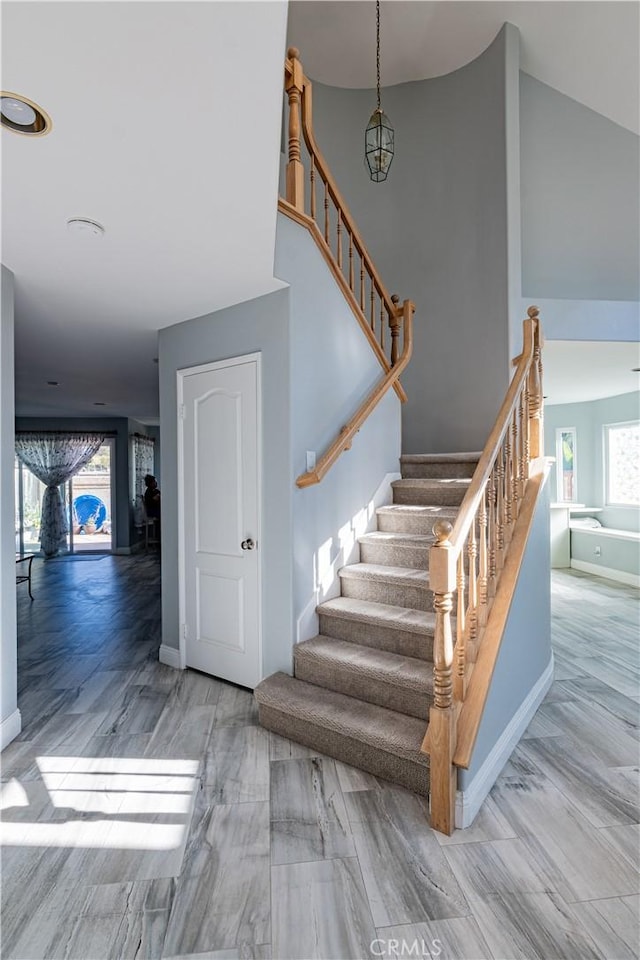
145,814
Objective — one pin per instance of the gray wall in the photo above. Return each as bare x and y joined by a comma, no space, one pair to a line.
438,231
526,645
580,200
333,369
589,420
119,428
8,646
260,325
587,319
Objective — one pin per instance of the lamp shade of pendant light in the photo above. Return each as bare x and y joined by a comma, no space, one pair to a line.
379,138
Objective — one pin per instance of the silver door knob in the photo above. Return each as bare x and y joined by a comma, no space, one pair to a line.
247,544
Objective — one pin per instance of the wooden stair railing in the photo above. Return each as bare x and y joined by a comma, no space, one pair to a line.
482,550
323,211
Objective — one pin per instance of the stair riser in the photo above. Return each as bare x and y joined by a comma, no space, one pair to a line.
402,642
391,555
413,703
399,523
413,776
429,496
438,471
379,591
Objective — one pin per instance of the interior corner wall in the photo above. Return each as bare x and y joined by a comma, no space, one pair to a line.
9,715
437,230
580,200
256,326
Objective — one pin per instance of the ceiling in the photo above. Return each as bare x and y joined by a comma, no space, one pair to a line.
150,139
586,50
579,370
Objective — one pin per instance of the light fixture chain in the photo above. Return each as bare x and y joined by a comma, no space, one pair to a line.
378,50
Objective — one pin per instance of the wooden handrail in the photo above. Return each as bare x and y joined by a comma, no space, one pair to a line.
332,226
482,551
285,207
345,437
469,505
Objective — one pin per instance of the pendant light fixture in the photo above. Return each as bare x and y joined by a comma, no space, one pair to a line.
379,136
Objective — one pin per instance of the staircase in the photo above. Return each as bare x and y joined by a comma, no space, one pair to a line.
362,689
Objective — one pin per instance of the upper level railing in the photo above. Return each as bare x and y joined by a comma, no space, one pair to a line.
468,558
314,200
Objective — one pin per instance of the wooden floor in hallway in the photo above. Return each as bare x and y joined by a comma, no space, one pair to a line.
146,814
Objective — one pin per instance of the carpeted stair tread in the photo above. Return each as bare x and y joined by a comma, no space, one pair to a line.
402,576
413,518
431,491
390,680
376,728
440,457
380,614
377,665
398,539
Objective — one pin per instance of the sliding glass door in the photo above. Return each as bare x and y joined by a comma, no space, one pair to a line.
88,499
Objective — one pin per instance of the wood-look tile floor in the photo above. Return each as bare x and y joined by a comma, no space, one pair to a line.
146,814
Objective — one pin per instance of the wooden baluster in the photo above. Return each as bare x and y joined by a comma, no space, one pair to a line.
515,469
492,529
394,324
295,170
483,595
442,719
339,232
535,392
326,211
500,509
351,269
312,187
382,323
362,282
459,685
472,618
522,445
372,312
508,487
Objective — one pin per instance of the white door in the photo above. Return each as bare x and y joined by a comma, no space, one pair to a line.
220,417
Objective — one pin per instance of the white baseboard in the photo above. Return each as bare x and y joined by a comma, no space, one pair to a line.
307,622
469,801
10,728
609,573
171,657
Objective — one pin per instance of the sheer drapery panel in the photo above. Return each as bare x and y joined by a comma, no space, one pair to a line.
54,459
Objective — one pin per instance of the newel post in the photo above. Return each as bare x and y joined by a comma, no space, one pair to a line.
442,718
295,169
536,438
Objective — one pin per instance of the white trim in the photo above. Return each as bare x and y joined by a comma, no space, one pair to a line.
613,532
307,625
180,378
10,728
631,579
469,801
171,657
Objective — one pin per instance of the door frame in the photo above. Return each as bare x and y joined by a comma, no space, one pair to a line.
181,375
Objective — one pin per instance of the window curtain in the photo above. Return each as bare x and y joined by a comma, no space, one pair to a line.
54,459
143,463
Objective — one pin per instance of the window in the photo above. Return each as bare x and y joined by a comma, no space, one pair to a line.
566,464
622,452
